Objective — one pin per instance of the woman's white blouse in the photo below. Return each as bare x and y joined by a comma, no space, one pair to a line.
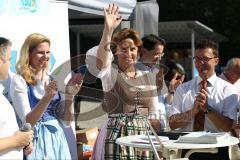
108,75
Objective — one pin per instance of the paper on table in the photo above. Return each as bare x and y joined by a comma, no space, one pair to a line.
144,140
203,137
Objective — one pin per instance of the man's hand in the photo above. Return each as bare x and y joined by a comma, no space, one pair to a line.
23,139
176,81
28,149
201,101
236,130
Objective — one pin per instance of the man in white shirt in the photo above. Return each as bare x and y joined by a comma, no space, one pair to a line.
12,141
149,61
210,106
232,73
150,56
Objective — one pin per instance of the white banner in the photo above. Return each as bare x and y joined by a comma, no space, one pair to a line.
19,18
17,22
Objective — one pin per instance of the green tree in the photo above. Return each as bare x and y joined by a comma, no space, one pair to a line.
220,15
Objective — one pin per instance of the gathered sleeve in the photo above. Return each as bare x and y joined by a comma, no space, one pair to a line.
108,75
91,62
19,95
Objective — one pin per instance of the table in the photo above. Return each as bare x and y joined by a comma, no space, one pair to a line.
137,141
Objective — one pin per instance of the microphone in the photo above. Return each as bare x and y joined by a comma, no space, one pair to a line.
25,128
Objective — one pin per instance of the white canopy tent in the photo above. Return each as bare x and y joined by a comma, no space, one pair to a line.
143,16
96,6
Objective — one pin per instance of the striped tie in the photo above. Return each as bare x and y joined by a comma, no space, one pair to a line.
200,117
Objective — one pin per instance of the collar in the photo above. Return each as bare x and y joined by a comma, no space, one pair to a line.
146,67
211,80
46,78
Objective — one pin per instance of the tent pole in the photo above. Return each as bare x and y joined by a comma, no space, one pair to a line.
193,52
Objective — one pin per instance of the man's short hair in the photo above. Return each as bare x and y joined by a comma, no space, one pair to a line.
149,41
231,63
206,43
3,45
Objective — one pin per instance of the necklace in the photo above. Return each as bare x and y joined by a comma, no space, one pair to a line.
127,76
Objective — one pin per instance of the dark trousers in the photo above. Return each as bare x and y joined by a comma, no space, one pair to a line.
221,155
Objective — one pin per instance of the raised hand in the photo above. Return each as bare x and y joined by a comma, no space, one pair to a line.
112,18
176,81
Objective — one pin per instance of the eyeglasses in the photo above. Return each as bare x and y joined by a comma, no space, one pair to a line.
203,59
157,53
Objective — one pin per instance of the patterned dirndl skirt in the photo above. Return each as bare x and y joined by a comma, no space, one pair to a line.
125,124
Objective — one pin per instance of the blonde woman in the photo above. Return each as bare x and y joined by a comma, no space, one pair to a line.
37,101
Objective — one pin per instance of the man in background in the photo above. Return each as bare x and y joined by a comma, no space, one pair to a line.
150,56
231,74
149,61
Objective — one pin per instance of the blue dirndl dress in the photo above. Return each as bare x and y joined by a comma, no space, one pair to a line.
49,139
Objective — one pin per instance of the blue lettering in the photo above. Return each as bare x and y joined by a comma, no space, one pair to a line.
30,5
24,3
27,3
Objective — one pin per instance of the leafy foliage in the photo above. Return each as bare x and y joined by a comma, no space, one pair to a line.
220,15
